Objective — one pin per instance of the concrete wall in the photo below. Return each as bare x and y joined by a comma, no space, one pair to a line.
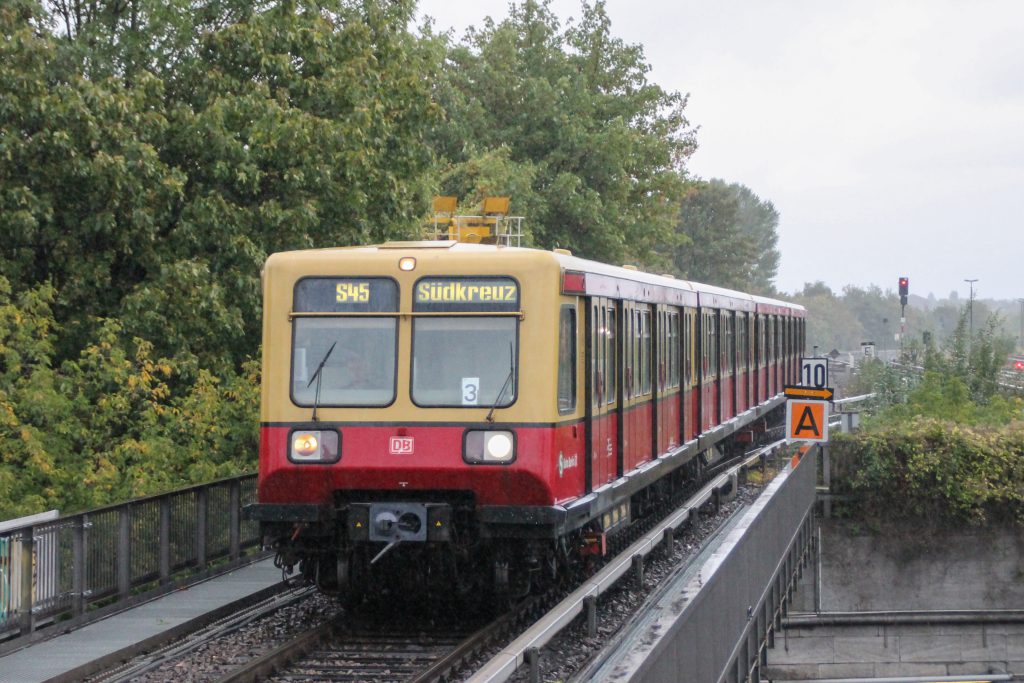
983,569
912,650
902,571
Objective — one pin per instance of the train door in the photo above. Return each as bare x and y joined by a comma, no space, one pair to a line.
758,367
602,403
742,363
668,396
779,352
691,417
784,345
569,439
726,366
637,405
709,407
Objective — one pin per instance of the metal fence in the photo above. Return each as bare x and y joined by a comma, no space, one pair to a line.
63,572
716,622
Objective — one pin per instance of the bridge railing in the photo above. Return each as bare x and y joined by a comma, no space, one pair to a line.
63,572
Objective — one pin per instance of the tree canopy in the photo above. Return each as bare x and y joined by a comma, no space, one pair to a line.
153,153
728,237
299,125
567,122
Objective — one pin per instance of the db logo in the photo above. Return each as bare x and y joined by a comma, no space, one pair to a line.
402,445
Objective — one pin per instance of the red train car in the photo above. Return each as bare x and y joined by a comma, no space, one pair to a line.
451,414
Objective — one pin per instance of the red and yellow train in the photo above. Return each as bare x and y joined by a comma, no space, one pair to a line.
448,413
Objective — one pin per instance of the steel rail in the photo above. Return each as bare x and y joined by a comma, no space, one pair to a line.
282,655
905,617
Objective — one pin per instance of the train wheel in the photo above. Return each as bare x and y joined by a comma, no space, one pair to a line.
351,578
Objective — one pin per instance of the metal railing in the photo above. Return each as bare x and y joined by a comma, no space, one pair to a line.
61,573
504,230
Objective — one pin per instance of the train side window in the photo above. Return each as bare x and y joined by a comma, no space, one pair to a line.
610,357
673,350
741,341
688,346
629,352
567,360
597,354
762,341
709,350
725,347
645,351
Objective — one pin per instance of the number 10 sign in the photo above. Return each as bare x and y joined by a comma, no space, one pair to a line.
814,372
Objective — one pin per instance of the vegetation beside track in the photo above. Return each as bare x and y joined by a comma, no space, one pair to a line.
945,447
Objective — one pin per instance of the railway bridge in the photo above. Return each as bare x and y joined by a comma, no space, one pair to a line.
747,606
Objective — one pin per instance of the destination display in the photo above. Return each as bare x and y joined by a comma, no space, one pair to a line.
466,294
346,295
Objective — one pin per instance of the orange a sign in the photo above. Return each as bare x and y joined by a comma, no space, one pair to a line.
806,420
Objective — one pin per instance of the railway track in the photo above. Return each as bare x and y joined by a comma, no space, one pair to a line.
338,651
342,651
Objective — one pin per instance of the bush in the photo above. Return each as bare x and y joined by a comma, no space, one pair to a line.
946,447
934,470
115,422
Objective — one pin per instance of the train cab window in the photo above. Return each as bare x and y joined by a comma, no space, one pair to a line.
358,356
339,359
567,360
465,360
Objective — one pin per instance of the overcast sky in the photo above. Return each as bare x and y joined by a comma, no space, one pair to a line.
888,134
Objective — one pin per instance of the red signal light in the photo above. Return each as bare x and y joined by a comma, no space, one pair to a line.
1019,365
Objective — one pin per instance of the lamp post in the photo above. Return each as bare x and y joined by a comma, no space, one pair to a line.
1021,301
970,309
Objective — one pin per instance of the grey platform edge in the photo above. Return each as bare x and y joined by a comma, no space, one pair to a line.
102,644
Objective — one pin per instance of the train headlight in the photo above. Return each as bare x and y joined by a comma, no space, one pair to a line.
493,447
317,445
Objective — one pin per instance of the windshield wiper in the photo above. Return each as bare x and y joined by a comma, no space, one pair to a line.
317,375
511,373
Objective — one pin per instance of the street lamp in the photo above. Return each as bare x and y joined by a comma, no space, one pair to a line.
1021,323
970,308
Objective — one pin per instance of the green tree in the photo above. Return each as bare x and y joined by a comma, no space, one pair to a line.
715,248
110,424
301,125
830,323
83,191
573,113
759,222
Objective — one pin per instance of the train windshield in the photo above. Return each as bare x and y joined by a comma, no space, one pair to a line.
468,359
359,369
461,361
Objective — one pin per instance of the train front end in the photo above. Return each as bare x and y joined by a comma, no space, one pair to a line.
410,423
